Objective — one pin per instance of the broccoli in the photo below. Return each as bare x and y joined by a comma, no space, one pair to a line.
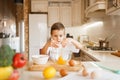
6,55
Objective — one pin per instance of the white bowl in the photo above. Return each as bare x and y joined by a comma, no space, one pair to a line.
40,59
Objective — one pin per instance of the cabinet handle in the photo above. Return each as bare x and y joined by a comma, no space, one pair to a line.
115,3
118,3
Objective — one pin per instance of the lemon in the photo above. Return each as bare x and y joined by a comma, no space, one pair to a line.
49,72
5,72
61,60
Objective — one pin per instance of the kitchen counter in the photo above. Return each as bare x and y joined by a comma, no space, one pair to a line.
90,66
101,55
87,54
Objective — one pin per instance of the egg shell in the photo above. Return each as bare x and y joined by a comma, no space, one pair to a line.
84,72
72,63
95,74
63,72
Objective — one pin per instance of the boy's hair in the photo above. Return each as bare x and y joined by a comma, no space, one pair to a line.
57,26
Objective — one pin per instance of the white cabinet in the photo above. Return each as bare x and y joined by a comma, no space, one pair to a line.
59,12
39,6
113,7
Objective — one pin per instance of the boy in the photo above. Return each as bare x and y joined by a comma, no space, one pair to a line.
58,39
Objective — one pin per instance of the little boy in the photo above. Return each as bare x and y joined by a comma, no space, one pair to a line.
58,39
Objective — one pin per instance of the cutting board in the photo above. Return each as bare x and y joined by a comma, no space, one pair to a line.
116,53
40,67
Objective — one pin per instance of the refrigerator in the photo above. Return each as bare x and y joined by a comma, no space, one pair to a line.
38,33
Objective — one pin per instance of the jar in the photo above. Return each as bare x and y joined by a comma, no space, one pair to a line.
101,43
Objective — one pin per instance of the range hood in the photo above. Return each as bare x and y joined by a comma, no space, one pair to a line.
96,10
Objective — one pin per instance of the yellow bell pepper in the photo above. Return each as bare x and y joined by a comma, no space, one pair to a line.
5,72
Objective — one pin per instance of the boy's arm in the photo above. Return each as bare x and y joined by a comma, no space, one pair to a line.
76,44
45,48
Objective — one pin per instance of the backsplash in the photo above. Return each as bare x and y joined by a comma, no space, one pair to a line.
110,29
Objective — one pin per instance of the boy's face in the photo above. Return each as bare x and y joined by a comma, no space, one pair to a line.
58,35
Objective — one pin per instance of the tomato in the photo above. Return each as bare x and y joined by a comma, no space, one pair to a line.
19,60
5,72
14,75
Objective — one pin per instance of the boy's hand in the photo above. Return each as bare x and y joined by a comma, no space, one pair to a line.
55,44
66,41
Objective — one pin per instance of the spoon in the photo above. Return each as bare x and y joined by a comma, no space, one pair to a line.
114,71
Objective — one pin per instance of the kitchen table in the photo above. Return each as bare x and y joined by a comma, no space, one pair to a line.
102,74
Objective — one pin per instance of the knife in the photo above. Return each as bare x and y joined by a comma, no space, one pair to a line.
106,68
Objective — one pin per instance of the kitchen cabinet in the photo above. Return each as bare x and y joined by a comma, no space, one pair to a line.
113,7
53,18
76,13
95,8
39,6
59,12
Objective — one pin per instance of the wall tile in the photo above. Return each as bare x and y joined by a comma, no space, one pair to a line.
110,29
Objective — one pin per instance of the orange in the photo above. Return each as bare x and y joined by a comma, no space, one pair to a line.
49,72
61,60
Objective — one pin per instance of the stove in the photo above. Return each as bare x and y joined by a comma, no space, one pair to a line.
99,49
103,48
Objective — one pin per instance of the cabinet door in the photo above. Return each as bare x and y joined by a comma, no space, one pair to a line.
53,15
39,6
118,3
59,12
76,13
65,15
